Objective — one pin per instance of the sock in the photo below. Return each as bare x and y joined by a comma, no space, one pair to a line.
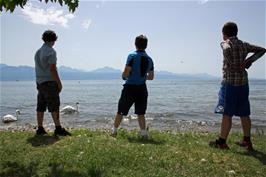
114,130
143,132
222,141
246,138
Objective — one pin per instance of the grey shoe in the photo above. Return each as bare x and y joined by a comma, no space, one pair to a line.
144,134
114,133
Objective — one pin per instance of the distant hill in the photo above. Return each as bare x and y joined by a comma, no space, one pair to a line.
106,69
13,73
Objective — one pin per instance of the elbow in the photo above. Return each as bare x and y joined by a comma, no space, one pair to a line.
53,71
124,75
263,50
150,78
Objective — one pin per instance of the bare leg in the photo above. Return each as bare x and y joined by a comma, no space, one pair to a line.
55,116
226,126
118,119
40,118
142,122
246,125
142,125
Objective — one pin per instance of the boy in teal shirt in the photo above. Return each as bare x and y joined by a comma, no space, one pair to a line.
139,68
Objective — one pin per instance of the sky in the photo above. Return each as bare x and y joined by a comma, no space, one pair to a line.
184,36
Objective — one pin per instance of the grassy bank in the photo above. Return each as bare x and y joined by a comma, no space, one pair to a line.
95,153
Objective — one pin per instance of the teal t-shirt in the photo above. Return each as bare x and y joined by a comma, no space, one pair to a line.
141,64
44,57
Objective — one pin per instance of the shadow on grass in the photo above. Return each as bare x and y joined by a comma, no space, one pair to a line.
145,141
256,154
42,140
57,170
95,172
13,169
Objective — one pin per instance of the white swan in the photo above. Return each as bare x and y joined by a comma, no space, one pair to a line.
69,109
10,118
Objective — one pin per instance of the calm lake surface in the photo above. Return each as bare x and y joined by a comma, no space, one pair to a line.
172,104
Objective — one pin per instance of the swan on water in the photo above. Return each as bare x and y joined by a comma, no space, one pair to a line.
70,109
10,118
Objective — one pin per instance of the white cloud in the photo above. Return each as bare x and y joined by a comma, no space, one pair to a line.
51,16
86,24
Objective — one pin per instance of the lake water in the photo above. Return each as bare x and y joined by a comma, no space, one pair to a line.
172,104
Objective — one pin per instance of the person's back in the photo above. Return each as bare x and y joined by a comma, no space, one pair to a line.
141,64
139,68
48,83
235,52
234,92
44,57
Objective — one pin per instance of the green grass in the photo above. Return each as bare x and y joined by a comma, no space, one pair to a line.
95,153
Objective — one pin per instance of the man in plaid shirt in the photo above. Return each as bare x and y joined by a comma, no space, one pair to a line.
235,83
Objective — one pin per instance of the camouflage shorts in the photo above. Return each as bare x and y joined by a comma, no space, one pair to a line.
48,96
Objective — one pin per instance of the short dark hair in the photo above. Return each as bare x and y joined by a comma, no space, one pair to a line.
230,29
141,42
49,36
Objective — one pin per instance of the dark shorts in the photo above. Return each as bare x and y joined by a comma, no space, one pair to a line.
48,96
236,100
133,94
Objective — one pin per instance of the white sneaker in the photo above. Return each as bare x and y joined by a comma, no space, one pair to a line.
144,134
114,132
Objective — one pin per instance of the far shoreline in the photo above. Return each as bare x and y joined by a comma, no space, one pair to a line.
260,130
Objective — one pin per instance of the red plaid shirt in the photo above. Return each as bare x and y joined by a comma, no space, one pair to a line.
235,52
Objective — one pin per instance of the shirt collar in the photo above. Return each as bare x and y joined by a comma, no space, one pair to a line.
46,45
233,38
142,51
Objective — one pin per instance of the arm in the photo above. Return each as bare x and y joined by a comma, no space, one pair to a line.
126,72
227,54
128,67
150,75
248,62
53,69
258,53
55,76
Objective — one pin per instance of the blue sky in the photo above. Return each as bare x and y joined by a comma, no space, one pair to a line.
184,36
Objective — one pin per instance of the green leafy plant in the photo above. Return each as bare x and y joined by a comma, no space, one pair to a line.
10,5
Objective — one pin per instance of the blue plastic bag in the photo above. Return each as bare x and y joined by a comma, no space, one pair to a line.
219,109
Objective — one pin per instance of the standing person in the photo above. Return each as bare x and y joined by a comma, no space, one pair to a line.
139,68
236,87
48,84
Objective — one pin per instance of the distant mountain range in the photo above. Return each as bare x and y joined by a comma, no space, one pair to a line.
13,73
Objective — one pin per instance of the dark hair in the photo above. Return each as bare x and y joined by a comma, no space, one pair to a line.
49,36
230,29
141,42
